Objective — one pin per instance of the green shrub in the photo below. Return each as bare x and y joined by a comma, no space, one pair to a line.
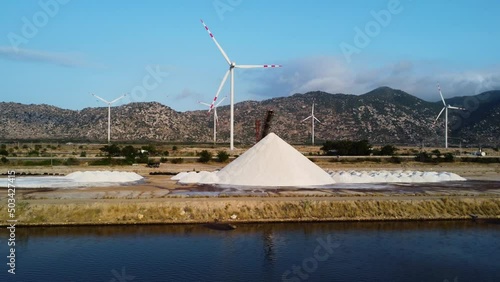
205,156
83,154
71,161
143,159
437,153
395,160
4,160
481,160
222,156
104,161
177,160
448,157
388,150
346,148
423,157
111,150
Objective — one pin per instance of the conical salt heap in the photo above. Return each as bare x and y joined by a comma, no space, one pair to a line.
273,162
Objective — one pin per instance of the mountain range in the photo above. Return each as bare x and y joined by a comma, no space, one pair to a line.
382,116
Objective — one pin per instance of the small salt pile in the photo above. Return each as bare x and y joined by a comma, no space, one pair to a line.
103,176
79,179
397,176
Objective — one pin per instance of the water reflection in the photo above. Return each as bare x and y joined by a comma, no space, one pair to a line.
374,251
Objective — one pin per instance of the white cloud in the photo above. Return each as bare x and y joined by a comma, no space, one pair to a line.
187,94
331,75
31,55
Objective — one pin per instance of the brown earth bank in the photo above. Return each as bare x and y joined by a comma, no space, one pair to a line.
159,200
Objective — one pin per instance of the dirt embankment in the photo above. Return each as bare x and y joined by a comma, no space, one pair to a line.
154,201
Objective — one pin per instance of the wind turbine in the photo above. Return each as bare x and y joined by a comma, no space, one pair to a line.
216,118
232,65
313,118
445,109
109,112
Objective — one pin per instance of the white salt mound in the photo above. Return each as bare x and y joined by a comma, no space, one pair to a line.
271,162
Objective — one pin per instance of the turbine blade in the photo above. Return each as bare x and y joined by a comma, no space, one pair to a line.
317,120
218,91
440,114
306,118
101,99
216,43
118,98
257,66
206,104
223,98
441,94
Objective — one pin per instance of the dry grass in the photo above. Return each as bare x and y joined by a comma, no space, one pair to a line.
126,212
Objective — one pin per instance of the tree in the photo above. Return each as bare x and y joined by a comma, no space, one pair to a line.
129,152
111,150
151,149
360,148
347,148
4,152
437,153
205,156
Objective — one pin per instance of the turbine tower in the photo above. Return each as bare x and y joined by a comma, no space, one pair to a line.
109,112
445,109
216,117
313,118
232,65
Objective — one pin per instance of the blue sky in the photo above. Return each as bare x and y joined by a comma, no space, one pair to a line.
57,52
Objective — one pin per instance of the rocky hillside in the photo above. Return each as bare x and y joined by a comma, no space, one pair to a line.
383,115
